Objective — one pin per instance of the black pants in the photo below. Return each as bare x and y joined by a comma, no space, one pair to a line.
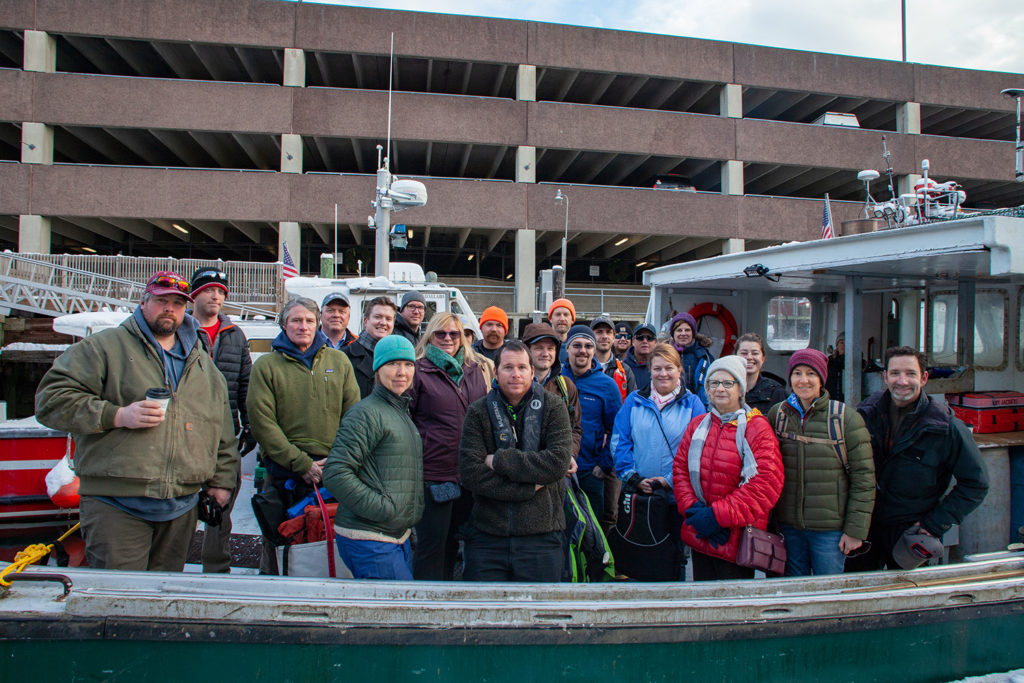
883,537
538,558
707,568
437,536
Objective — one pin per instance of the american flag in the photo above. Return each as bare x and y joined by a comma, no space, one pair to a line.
827,231
289,269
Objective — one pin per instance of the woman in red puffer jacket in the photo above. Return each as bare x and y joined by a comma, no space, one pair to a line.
722,484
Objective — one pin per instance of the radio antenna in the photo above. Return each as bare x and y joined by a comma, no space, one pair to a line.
391,66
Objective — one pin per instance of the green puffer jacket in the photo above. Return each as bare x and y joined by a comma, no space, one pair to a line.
375,468
295,412
818,494
194,446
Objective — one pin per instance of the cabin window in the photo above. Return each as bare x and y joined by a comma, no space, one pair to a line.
789,323
989,329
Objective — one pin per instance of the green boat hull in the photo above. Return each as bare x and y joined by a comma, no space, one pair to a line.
926,625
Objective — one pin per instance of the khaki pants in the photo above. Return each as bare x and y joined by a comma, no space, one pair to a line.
115,539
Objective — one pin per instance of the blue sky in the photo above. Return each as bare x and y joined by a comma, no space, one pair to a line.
989,35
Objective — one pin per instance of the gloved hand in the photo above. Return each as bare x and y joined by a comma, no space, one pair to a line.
246,441
702,519
720,537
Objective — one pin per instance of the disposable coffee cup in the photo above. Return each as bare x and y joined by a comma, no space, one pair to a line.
160,395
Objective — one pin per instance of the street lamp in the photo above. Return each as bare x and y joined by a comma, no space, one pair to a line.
1017,93
560,198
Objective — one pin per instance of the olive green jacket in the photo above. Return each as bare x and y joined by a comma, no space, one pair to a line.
194,446
295,412
818,494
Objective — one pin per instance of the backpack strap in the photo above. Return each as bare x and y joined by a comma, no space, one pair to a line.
562,387
837,431
836,418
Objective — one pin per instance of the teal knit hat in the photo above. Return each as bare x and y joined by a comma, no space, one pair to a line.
391,348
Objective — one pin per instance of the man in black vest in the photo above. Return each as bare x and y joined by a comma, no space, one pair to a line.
228,346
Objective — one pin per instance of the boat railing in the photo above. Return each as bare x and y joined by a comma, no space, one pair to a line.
57,284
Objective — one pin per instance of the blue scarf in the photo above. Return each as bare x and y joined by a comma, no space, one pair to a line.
283,344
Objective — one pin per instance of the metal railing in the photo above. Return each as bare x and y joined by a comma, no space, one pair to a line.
56,284
618,302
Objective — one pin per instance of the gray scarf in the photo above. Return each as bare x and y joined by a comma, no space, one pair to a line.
700,434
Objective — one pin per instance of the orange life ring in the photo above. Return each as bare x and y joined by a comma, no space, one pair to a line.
709,308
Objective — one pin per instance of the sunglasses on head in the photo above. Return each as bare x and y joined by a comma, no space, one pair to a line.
452,334
211,275
173,282
644,338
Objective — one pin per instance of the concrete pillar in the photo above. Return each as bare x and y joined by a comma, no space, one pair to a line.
905,183
526,164
526,83
908,118
36,143
730,101
40,52
34,234
526,271
291,153
294,67
732,177
288,232
733,246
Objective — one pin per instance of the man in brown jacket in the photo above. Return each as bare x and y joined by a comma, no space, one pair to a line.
141,462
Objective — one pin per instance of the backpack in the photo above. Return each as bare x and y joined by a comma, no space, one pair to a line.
588,555
643,538
836,431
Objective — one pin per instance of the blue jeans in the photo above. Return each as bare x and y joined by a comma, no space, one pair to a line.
812,552
375,559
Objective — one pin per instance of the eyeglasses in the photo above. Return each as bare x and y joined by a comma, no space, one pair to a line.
862,549
416,306
727,383
442,334
644,338
173,282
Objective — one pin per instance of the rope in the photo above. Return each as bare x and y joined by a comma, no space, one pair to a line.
31,555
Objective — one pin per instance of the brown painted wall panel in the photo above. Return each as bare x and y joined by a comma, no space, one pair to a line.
783,218
16,101
16,14
800,144
592,49
442,36
959,159
235,22
416,116
823,73
577,126
964,88
86,100
15,181
159,193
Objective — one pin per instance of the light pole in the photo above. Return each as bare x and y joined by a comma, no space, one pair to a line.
559,199
1017,93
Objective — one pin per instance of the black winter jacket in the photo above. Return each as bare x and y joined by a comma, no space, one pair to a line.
230,354
765,393
505,501
362,362
913,467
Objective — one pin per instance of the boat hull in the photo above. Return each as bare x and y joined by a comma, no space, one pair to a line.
932,624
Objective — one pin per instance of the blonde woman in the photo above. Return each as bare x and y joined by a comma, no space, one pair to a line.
449,376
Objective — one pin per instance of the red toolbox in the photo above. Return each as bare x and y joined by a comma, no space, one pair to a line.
991,420
987,399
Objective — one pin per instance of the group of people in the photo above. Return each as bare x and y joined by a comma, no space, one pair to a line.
428,438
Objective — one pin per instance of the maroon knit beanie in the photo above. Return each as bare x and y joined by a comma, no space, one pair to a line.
813,359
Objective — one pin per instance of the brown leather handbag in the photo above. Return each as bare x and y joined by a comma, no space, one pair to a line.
762,550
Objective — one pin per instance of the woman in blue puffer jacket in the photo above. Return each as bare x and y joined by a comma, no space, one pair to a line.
647,433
